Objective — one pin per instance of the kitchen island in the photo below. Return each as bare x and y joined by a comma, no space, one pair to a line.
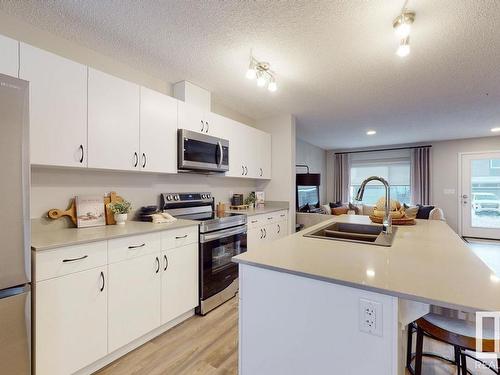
322,306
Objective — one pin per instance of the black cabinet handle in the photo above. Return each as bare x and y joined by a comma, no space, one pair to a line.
180,237
82,154
75,259
261,172
282,215
242,170
208,126
136,157
157,265
103,281
265,233
279,229
166,263
261,233
202,126
144,160
246,170
254,221
269,218
136,246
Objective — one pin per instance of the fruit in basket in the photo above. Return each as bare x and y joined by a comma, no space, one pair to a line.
394,214
397,211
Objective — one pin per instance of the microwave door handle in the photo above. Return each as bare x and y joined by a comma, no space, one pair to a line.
221,153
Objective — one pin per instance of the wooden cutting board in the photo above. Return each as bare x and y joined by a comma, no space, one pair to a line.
71,211
400,221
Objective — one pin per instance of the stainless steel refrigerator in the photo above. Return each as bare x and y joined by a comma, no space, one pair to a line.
15,265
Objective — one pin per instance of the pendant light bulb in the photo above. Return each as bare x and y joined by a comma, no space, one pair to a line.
402,30
261,79
272,85
251,73
404,48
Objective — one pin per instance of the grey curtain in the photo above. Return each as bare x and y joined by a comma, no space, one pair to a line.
341,177
421,175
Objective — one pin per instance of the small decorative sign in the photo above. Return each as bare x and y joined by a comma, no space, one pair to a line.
259,198
90,211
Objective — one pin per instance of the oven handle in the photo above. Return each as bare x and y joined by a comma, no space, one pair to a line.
222,233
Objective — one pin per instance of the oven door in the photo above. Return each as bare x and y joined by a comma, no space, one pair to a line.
217,249
202,152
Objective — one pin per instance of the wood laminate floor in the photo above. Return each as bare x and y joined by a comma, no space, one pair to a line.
199,346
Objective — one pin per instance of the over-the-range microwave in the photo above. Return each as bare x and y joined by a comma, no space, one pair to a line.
202,152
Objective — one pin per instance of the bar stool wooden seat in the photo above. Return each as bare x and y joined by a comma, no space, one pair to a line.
461,334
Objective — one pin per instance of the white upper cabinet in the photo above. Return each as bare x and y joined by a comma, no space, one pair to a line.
263,157
58,107
198,120
113,122
158,132
9,56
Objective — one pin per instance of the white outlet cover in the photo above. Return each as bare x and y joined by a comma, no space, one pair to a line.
370,317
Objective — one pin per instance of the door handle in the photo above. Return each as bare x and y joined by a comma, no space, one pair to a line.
136,246
82,154
75,259
136,157
103,281
157,265
144,160
166,262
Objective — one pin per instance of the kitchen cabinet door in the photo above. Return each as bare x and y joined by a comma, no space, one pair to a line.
9,56
158,129
191,118
263,157
179,281
58,107
70,322
238,146
134,299
113,122
282,229
217,125
255,238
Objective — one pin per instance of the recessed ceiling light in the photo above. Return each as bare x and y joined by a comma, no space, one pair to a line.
371,132
494,130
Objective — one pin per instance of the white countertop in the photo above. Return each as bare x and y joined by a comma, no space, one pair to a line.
50,239
268,207
427,262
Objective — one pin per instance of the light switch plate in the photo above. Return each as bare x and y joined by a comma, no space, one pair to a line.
370,317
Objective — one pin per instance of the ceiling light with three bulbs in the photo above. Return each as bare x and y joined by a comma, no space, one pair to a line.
402,28
261,71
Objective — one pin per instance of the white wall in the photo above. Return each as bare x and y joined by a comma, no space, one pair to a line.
282,185
315,158
53,187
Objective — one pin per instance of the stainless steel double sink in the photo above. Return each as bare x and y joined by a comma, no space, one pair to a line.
351,232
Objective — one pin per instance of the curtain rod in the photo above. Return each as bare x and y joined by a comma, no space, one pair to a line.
382,149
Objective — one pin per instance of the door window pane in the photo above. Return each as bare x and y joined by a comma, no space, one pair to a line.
485,203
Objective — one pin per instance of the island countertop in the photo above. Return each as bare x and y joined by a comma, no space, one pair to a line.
51,239
427,262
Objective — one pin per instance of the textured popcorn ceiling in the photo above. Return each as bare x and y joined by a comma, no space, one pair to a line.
335,62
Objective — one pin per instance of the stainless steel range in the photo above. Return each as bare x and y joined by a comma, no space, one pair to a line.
221,237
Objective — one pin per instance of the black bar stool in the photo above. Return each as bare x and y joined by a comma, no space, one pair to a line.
461,334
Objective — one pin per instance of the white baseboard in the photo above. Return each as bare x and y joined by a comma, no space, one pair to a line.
133,345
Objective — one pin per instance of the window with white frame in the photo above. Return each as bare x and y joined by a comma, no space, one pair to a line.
394,166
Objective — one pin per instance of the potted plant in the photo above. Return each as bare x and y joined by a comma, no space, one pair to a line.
120,211
250,200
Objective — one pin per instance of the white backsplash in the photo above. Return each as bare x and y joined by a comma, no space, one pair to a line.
53,188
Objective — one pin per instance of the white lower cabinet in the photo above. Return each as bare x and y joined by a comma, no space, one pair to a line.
179,281
71,321
134,299
265,228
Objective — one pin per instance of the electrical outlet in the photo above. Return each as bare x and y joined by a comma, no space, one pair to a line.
370,317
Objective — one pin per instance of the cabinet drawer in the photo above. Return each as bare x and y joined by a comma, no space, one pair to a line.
179,237
71,259
256,221
132,247
280,216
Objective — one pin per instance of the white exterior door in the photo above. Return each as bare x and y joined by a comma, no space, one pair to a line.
134,299
113,122
179,281
480,195
58,107
71,322
158,132
9,57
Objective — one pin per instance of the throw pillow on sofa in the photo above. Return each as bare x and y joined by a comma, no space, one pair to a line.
336,204
424,211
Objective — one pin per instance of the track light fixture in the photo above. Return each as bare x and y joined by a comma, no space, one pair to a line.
402,28
262,71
